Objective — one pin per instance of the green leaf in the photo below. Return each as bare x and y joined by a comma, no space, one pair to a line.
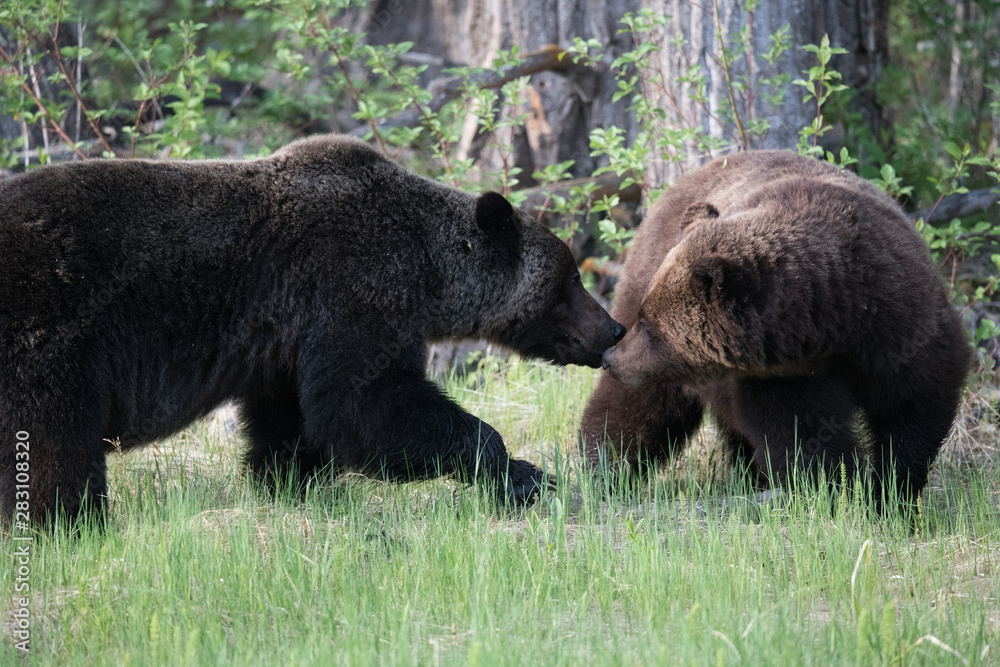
952,149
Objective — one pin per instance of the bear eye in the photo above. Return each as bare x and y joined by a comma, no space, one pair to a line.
643,326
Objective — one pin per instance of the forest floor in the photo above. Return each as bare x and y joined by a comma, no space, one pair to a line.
197,568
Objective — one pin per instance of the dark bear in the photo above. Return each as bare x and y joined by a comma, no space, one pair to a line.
138,295
798,303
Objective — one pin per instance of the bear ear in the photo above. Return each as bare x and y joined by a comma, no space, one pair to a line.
495,215
720,279
701,210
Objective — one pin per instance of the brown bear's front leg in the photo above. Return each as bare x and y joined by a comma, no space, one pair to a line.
804,424
416,432
907,441
636,427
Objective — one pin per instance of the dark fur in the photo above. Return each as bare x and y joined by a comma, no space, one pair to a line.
801,306
138,295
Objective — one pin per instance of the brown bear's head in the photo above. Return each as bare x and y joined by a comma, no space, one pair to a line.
544,311
702,312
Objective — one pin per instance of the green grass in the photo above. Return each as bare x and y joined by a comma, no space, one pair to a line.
197,569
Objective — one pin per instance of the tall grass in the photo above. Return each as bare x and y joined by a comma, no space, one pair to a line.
196,568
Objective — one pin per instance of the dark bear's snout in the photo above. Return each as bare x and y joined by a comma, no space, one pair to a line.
591,329
617,333
589,350
575,329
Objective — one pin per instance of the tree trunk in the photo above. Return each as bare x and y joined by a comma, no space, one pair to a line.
565,106
568,107
856,25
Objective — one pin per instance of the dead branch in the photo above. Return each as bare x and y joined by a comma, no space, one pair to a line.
608,183
957,205
451,88
36,99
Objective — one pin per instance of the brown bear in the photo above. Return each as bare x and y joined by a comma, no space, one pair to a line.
799,304
138,295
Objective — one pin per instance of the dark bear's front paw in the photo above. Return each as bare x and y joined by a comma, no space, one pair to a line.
522,482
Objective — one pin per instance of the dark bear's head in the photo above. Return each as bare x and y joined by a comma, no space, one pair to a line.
542,309
702,312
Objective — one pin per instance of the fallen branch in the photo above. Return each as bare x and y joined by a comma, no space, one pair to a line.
451,88
608,183
957,205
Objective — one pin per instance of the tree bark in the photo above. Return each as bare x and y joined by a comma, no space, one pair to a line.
568,106
565,106
856,25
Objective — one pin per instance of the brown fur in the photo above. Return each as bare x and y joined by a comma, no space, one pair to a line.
799,304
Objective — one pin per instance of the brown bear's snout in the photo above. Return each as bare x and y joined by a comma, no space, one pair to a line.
631,361
590,329
577,330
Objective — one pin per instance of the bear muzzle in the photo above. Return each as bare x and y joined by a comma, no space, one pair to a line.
588,348
592,330
629,362
617,332
611,362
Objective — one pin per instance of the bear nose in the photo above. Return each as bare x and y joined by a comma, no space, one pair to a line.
605,358
617,331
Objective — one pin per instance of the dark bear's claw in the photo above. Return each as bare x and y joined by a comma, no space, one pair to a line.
522,483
